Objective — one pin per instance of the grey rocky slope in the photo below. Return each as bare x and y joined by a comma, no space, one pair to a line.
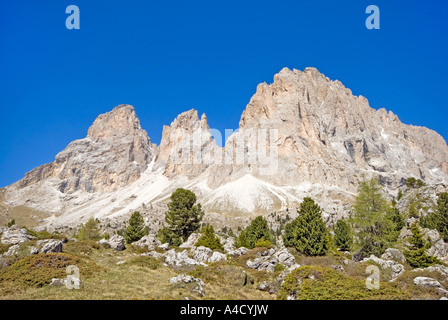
312,137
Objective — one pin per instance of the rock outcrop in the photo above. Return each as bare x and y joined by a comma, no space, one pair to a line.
15,235
115,153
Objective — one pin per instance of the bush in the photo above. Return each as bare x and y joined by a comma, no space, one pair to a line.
136,228
257,230
38,270
321,283
262,243
209,239
414,183
4,248
11,223
89,231
343,237
82,247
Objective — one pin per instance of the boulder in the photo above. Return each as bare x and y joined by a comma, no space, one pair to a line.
15,235
191,241
180,259
48,246
426,282
239,252
285,257
149,241
165,246
268,287
201,253
116,242
12,251
393,254
182,278
216,257
442,270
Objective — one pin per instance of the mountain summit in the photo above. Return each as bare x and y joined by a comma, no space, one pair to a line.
302,135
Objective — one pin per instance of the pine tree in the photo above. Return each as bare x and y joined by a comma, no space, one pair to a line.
374,231
209,239
255,231
441,215
289,236
183,216
343,236
311,233
136,228
89,231
415,253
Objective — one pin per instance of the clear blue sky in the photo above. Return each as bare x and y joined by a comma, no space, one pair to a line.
165,57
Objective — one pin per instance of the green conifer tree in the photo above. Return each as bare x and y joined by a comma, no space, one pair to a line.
311,233
209,239
136,228
415,253
183,217
89,231
374,231
255,231
343,237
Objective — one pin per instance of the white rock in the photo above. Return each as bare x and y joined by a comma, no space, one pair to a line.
216,257
393,254
115,242
15,235
396,268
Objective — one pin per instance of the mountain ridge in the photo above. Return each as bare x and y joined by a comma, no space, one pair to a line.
318,132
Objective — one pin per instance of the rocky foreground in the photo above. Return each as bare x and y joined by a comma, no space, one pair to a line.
35,268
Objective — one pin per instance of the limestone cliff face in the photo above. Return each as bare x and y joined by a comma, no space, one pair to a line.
187,147
327,135
115,153
312,137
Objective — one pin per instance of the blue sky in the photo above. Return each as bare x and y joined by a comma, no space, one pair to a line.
166,57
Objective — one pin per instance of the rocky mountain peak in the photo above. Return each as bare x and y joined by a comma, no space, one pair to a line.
121,121
115,153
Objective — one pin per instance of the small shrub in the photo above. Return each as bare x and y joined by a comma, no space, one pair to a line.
257,229
11,223
320,283
4,248
38,270
89,231
209,239
83,247
279,267
262,243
